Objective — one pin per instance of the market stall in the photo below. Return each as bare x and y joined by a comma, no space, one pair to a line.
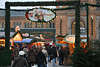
70,39
60,41
2,42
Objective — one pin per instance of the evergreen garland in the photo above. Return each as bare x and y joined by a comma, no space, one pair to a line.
82,58
86,57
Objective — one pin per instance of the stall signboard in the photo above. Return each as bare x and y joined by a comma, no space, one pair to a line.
2,42
40,15
70,38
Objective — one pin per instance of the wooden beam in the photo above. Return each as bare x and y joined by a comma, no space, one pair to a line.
50,3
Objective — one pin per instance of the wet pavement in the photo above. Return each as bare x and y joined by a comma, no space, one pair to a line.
50,65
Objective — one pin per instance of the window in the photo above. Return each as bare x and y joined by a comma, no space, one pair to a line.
30,24
84,1
36,25
51,25
0,24
33,24
39,25
97,2
82,28
26,25
3,25
47,25
17,24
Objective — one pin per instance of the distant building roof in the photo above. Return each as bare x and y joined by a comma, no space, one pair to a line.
13,13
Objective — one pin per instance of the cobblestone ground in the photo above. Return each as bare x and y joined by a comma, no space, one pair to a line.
57,65
50,65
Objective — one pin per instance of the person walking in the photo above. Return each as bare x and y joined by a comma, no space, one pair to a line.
20,61
61,55
45,51
41,59
49,53
31,58
53,55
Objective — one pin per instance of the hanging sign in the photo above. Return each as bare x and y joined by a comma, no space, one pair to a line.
70,38
40,15
2,42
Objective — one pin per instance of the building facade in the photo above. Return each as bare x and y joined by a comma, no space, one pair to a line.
64,21
68,20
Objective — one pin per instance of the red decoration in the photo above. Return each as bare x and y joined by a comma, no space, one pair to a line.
26,15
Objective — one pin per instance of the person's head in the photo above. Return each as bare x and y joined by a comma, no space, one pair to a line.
17,28
43,47
34,46
21,53
39,49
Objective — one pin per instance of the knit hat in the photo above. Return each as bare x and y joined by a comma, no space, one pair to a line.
21,52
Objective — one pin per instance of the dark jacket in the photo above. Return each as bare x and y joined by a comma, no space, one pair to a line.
41,59
61,53
53,52
49,50
19,61
32,56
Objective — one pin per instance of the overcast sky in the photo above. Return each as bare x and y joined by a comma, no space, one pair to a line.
2,3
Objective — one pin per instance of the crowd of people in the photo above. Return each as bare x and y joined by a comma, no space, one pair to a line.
38,56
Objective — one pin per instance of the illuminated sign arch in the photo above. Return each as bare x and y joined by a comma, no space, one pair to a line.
40,15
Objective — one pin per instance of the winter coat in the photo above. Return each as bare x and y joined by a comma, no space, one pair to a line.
32,57
53,52
41,59
61,53
44,52
19,62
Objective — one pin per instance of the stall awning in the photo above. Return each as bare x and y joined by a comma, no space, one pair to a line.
17,41
24,41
